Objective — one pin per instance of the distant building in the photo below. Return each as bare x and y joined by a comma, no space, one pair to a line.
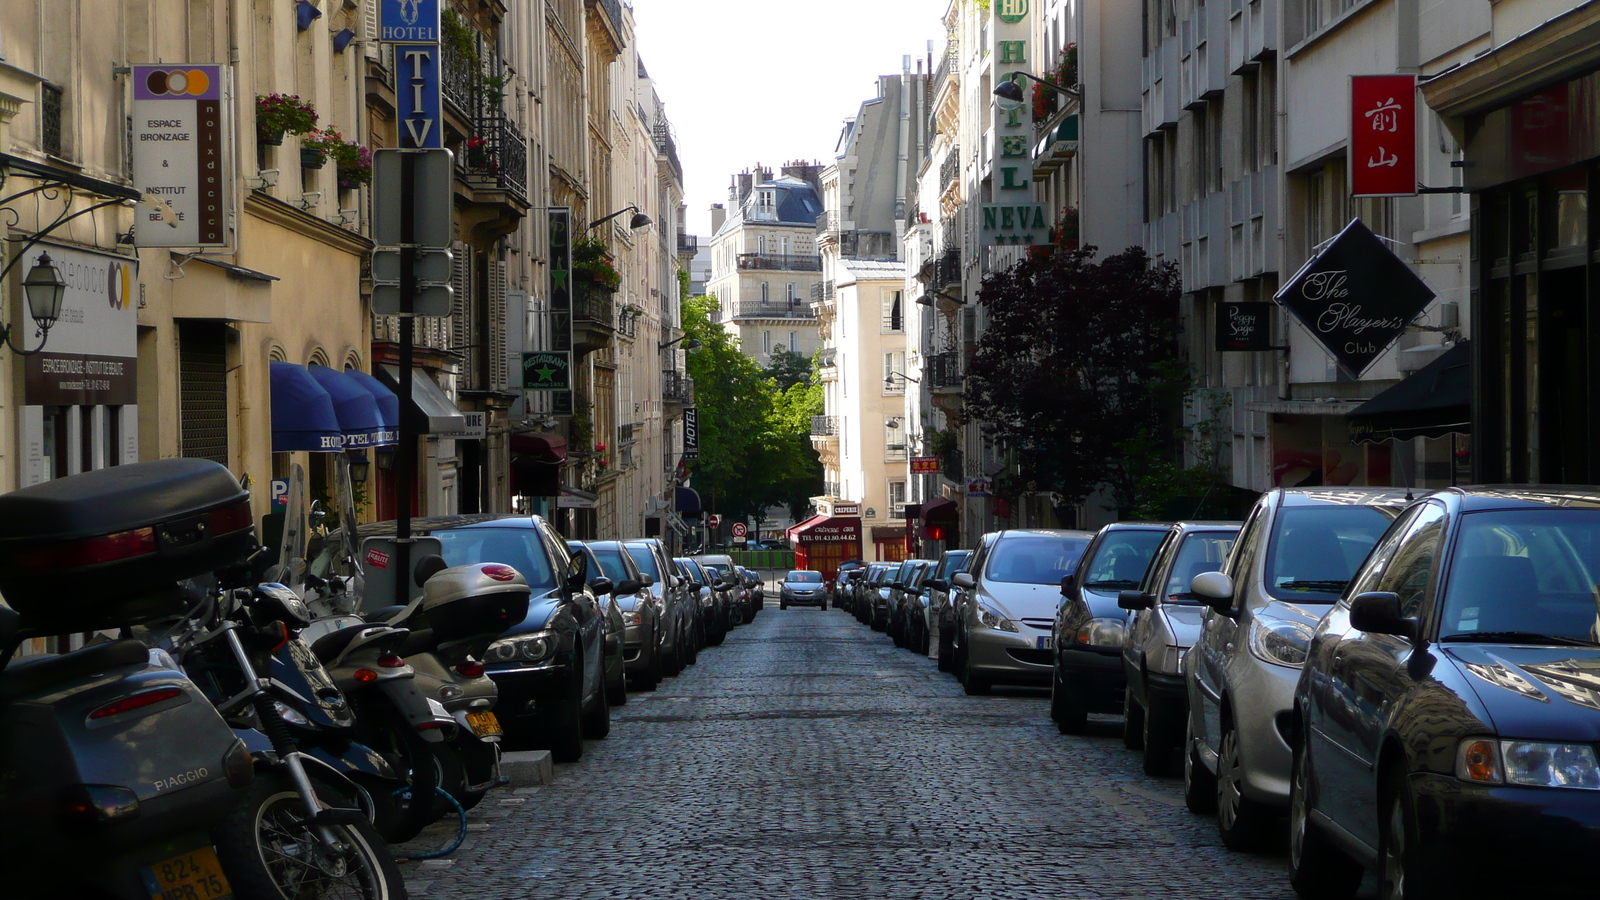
764,260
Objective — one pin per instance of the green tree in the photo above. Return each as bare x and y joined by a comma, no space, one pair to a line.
788,369
1078,374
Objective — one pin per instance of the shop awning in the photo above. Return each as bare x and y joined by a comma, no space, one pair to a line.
388,404
827,530
1434,401
687,501
888,533
431,411
940,511
540,446
303,417
354,405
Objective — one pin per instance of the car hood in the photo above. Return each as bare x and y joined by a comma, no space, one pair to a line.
803,586
1534,692
540,609
1185,621
1025,601
1103,604
1307,614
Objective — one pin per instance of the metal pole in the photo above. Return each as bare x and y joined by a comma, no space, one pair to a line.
406,459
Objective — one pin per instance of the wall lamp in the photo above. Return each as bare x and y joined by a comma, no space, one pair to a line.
889,379
639,220
1010,90
692,344
45,286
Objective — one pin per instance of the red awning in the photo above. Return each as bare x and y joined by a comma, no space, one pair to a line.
826,530
881,534
940,511
542,446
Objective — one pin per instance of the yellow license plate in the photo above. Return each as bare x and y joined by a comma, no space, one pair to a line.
196,875
484,723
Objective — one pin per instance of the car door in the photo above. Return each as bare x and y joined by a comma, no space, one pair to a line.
1143,638
586,609
1368,675
1219,630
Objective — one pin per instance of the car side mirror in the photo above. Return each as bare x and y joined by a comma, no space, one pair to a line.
939,584
646,580
601,586
1135,600
963,580
1214,589
1378,612
631,585
1067,582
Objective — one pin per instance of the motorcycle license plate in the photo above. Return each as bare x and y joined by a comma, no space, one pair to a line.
196,875
1046,642
484,723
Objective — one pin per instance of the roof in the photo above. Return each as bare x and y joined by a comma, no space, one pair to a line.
871,270
797,204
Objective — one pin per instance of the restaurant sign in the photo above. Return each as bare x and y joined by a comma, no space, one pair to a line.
1355,297
924,465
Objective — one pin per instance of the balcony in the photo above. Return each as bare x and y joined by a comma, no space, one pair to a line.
950,172
459,80
824,426
776,309
947,271
628,434
781,262
496,158
950,465
832,489
667,146
688,244
827,357
828,224
594,318
942,371
676,387
895,453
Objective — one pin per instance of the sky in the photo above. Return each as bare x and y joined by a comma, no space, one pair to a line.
756,81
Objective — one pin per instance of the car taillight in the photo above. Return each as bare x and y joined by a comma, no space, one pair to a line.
90,552
470,669
498,572
390,660
231,519
365,676
137,701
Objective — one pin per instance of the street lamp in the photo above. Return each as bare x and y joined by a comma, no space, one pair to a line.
639,220
1010,90
888,380
44,286
691,344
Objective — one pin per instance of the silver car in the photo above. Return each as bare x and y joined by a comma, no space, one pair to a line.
680,640
1166,623
803,587
1293,557
1012,594
940,646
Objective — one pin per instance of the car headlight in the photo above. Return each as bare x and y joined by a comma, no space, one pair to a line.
706,599
632,617
523,648
1529,763
1280,642
1107,633
989,617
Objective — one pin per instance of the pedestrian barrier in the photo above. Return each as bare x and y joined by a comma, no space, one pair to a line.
763,559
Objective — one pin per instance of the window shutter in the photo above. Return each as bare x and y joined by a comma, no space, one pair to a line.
461,309
499,364
203,390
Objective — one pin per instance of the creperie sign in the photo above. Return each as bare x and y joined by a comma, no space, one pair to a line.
833,531
1383,135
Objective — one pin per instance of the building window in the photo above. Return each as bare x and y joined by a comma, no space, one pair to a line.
794,343
793,296
50,101
893,314
763,292
203,390
897,499
894,437
766,342
894,364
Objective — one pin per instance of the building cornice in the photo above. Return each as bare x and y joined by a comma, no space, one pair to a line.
270,209
1563,46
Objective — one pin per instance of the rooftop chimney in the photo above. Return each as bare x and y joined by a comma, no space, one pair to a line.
719,214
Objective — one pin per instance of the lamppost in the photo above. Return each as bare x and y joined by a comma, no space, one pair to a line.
44,287
639,220
692,344
889,379
1010,90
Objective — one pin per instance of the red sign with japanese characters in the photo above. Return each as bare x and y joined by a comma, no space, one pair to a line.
1383,135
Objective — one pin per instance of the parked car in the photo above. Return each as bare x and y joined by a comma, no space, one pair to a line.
757,586
803,587
604,587
741,609
960,599
910,607
895,581
769,544
1446,719
1293,558
1089,628
714,609
1165,623
670,589
882,596
644,620
549,670
941,621
1013,595
865,591
844,582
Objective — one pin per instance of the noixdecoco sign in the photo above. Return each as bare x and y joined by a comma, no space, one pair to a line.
1355,297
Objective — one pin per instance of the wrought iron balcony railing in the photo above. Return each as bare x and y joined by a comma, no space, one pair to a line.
948,270
460,79
781,262
773,309
50,102
596,306
688,244
674,385
828,222
942,370
949,170
824,426
496,157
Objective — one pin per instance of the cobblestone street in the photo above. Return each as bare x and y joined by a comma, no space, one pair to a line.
809,758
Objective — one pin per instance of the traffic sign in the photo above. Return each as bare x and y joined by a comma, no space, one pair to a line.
432,193
430,300
713,520
430,267
740,529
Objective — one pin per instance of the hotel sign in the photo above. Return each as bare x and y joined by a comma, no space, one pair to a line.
409,21
1012,217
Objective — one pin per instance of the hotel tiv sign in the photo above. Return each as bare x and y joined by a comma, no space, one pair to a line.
1013,217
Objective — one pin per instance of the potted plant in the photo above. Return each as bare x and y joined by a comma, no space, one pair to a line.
353,163
280,114
479,154
591,265
318,146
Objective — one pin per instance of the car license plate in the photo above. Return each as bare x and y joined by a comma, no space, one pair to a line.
1046,642
196,875
484,723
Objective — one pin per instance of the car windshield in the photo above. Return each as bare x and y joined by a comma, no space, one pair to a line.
1034,558
1315,549
1525,576
1121,560
691,572
953,562
611,564
1201,552
519,548
806,577
645,560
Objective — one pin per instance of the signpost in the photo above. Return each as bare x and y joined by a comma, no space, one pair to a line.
739,531
713,520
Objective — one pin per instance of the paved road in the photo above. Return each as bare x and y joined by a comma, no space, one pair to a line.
809,758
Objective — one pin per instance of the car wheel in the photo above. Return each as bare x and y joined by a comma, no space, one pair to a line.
1199,785
564,738
1132,721
947,650
1399,877
1242,822
974,684
1069,717
597,718
1160,738
1317,869
783,604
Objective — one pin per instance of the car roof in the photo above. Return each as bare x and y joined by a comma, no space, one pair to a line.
1187,527
1047,532
426,524
1136,526
1521,496
1343,496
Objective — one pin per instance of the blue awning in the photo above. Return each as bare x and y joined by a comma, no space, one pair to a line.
355,407
302,412
388,405
687,501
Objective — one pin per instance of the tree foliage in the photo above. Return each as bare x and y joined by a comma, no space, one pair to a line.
1078,374
755,447
788,369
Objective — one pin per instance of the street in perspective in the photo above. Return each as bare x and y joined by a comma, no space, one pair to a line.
697,449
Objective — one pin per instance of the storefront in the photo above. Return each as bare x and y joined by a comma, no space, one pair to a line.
1527,115
821,543
80,394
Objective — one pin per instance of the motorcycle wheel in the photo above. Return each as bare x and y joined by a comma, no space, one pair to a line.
270,851
399,817
478,757
452,773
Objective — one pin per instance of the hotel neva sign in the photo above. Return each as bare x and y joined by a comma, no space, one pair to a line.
1013,218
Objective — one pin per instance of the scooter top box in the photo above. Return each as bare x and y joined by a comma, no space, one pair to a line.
475,600
88,551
